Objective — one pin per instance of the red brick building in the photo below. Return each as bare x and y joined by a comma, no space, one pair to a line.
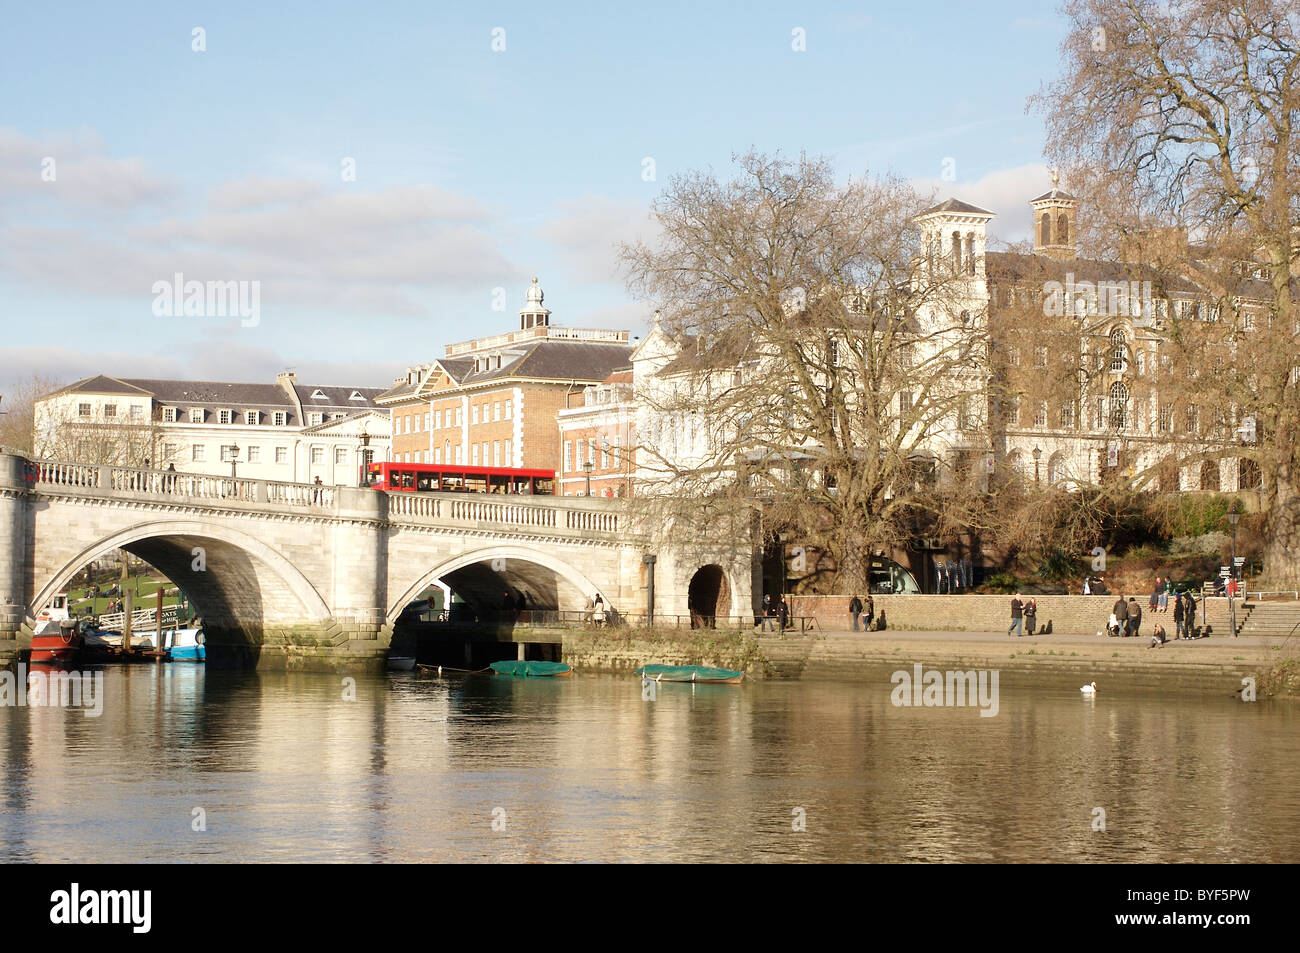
598,439
493,401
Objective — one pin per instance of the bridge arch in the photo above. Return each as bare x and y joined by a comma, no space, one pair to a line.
537,557
166,544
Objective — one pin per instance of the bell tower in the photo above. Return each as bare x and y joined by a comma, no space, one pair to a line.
1055,223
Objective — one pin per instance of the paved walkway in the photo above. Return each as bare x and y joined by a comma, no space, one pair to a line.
1144,638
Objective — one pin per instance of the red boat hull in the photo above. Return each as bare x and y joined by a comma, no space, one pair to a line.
56,650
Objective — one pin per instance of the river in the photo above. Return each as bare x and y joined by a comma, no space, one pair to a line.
183,764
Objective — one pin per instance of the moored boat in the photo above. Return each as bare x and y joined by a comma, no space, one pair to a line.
184,645
531,669
690,673
57,643
401,663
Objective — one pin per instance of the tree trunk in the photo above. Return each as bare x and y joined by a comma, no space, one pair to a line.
1282,533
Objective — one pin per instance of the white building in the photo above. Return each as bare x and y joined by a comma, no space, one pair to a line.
284,431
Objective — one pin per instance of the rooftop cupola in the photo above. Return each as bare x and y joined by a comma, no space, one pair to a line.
532,314
1055,222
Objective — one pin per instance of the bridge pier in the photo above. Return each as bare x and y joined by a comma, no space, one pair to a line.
14,556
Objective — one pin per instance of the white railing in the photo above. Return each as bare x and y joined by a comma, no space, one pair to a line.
141,619
540,512
176,485
414,504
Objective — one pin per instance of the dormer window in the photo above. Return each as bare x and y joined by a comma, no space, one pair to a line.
252,418
281,418
196,415
356,395
318,394
225,416
169,415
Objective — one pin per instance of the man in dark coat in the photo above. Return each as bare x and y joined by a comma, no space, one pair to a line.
868,613
1017,616
855,610
1179,611
1134,617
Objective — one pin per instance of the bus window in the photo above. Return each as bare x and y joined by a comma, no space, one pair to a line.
426,482
500,484
476,483
544,485
453,481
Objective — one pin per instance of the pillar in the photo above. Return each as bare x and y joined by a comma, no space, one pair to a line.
360,567
14,555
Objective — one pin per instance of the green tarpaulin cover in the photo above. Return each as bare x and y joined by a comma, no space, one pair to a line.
687,673
535,669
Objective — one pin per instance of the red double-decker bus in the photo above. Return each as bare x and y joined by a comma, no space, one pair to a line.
447,478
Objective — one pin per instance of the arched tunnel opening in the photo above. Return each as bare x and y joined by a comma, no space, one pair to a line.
233,594
491,610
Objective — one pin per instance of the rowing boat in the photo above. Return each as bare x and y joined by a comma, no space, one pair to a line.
689,673
531,669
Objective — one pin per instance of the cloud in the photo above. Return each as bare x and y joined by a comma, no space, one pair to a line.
74,169
588,232
1005,192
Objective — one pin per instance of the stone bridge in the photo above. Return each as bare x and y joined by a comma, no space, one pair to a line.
314,577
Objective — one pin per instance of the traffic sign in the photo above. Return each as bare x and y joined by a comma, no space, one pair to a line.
1239,561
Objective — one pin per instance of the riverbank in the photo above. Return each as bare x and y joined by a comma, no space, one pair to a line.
1213,666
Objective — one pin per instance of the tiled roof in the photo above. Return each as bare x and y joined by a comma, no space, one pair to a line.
955,205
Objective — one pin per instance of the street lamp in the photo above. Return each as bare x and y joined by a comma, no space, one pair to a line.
365,456
588,466
1037,453
234,459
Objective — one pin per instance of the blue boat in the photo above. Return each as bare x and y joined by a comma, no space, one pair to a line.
184,645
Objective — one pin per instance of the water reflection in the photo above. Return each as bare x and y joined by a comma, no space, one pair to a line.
282,767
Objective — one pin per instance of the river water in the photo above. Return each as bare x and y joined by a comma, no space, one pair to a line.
283,767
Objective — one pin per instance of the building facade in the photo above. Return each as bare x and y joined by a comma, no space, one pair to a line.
598,439
494,401
283,431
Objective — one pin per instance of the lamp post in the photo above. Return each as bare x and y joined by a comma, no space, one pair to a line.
588,466
1037,453
365,458
234,460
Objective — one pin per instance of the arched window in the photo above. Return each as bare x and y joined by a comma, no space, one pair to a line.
1210,475
956,253
1015,463
1062,229
1247,474
1118,350
1056,468
1045,234
1118,406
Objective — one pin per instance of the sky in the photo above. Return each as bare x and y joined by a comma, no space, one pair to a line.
387,177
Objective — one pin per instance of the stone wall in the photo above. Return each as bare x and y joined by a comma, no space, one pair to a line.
1068,615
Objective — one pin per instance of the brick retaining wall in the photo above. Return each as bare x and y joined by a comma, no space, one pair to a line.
1068,615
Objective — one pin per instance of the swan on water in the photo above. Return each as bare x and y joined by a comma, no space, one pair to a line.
1090,689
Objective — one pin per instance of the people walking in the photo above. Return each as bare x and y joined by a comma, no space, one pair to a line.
1179,612
1120,615
855,610
1134,617
1031,616
868,613
598,611
1017,616
783,614
769,614
1189,614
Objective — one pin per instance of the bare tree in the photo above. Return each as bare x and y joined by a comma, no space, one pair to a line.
62,431
19,412
1181,119
816,362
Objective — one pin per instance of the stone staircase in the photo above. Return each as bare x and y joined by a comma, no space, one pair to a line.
1274,620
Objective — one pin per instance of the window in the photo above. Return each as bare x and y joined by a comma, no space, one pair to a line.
496,453
496,410
110,410
137,411
963,413
1013,411
1040,356
832,352
169,452
254,454
224,416
281,454
229,453
340,456
417,422
473,414
83,410
460,454
356,395
1165,419
508,404
315,419
505,452
486,457
1118,350
1013,356
317,455
581,444
318,394
437,456
475,454
459,417
1067,414
281,418
1118,406
437,419
1040,414
198,453
1193,419
905,355
905,402
1099,413
446,451
604,455
428,419
591,449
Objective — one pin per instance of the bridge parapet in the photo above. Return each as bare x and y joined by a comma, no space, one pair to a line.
578,516
47,476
